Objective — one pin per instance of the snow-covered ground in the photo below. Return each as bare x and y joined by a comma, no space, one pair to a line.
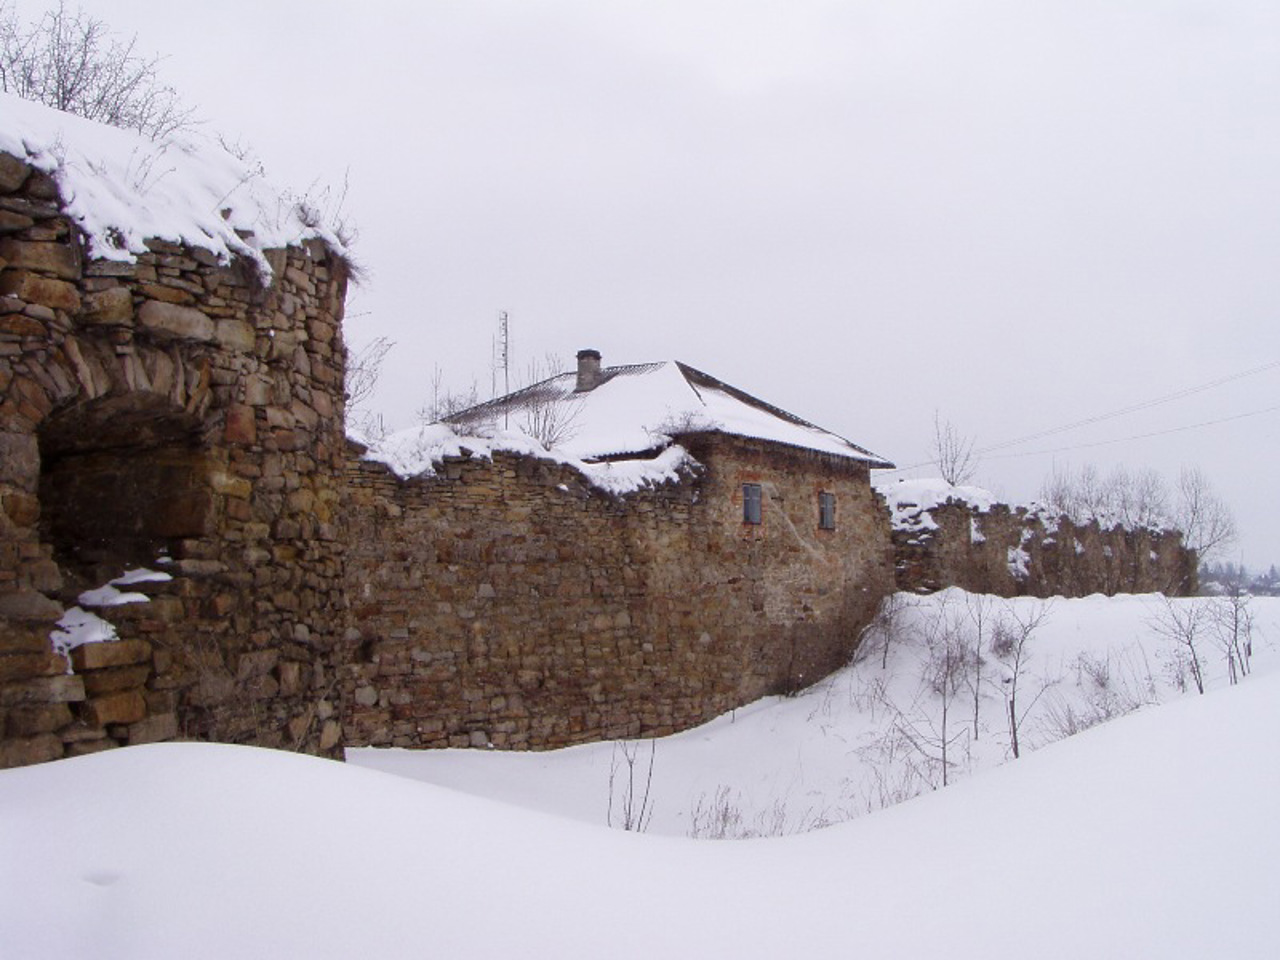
1151,836
871,734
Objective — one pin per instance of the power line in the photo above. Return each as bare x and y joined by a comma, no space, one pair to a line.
1111,415
1140,436
1132,408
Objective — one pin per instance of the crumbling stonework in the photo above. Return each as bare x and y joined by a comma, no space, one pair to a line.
179,412
1015,552
507,602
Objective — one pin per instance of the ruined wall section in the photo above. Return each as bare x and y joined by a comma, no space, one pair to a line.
185,414
1015,552
509,602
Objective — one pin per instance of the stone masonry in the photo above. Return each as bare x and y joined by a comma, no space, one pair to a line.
1011,551
185,414
182,414
507,602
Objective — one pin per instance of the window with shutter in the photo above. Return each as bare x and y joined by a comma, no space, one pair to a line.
826,511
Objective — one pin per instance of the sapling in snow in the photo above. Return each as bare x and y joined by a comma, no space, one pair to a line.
1010,645
1183,624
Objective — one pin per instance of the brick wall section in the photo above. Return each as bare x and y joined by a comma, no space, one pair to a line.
507,602
171,405
1062,559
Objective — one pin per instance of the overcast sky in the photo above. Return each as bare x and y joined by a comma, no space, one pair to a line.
1021,214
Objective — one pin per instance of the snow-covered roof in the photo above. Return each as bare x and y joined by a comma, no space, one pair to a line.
123,189
641,408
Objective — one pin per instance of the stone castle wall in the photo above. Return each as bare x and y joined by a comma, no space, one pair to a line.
1012,552
507,602
185,415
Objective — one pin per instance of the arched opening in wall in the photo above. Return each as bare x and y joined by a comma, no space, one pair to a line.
123,479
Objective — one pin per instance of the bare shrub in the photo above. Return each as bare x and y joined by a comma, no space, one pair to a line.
1111,688
1010,644
721,818
362,374
550,421
1231,623
72,61
886,627
926,726
446,404
625,775
1183,625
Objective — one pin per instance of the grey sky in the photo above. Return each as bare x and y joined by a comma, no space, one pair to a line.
1018,213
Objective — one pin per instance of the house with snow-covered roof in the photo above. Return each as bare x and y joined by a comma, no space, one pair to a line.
761,458
672,547
625,412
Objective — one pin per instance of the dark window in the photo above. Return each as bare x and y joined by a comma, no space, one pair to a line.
826,511
751,503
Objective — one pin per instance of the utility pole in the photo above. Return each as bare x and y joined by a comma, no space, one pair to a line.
504,357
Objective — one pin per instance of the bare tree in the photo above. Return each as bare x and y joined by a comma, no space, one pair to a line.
362,373
926,730
446,404
1183,624
1203,517
1131,500
1009,643
979,610
1232,624
952,453
71,61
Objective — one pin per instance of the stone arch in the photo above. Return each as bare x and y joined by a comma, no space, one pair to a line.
123,479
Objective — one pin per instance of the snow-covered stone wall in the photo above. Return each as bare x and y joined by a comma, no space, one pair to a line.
175,405
508,600
946,536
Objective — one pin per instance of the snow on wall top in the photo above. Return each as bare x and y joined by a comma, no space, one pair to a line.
418,451
910,503
911,500
123,189
641,407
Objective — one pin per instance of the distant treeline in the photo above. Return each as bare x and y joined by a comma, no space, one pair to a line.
1229,578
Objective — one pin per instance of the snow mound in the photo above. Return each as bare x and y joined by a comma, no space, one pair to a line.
1131,840
123,189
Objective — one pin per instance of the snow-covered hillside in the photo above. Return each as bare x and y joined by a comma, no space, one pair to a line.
1150,836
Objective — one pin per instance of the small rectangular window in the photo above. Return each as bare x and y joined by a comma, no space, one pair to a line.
826,511
751,500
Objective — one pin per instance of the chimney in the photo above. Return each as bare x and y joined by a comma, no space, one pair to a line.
588,371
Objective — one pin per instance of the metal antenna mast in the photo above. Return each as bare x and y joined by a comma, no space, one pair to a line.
504,356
